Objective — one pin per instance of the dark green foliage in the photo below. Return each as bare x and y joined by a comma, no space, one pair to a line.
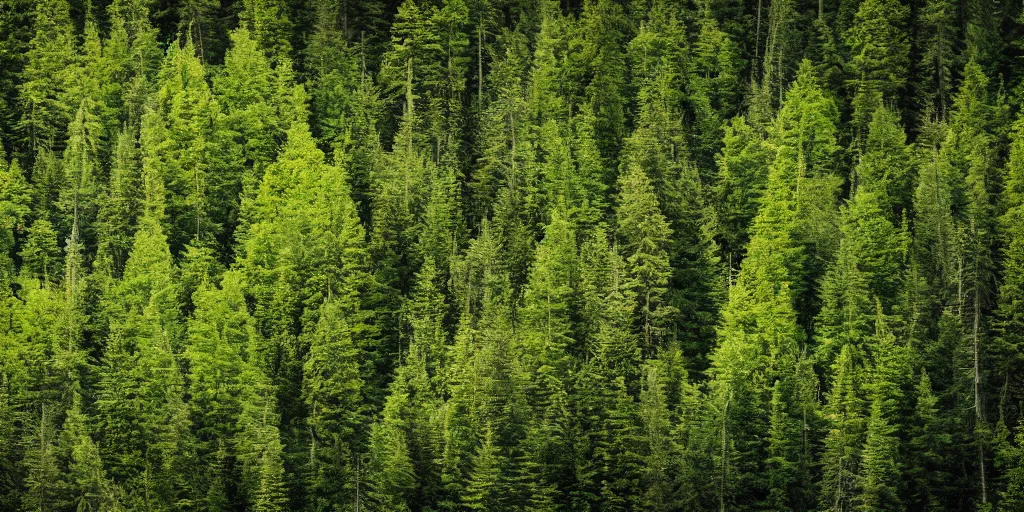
511,255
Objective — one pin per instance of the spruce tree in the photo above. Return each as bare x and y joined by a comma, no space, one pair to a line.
644,234
879,56
928,445
47,76
483,486
183,143
390,475
844,418
1010,230
269,23
879,469
742,178
331,391
85,479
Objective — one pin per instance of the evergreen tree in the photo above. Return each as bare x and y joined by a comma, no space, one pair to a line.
182,142
879,469
14,209
218,335
714,82
390,473
483,487
119,206
86,481
937,52
42,487
547,313
269,23
928,445
842,451
1009,317
331,390
879,56
742,178
644,234
44,94
596,50
254,98
1013,495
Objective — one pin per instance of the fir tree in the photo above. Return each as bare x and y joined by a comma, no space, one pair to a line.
44,95
644,234
879,55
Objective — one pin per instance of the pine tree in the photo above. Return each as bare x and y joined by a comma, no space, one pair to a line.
1009,317
270,495
885,166
14,210
85,479
331,390
548,305
660,454
269,23
1013,495
937,52
618,451
781,464
804,136
609,303
659,148
147,432
597,51
334,73
880,55
390,475
742,178
781,51
416,56
254,97
844,417
119,206
42,474
506,180
81,161
644,234
39,253
16,25
44,95
182,142
713,81
258,440
935,236
879,469
218,335
973,155
483,488
928,445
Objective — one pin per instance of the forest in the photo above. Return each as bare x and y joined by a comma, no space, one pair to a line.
512,255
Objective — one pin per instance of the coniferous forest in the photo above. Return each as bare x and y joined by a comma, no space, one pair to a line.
512,255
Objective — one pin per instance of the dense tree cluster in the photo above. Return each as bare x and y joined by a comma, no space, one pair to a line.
510,255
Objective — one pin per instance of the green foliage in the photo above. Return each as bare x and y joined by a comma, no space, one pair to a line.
879,55
511,255
644,233
47,77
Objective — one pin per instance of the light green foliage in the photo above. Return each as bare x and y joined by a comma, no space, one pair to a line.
45,94
644,234
511,255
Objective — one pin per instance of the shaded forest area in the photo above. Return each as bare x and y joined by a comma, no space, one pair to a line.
511,255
